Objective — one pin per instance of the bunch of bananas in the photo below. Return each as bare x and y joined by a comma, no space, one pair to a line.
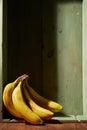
22,101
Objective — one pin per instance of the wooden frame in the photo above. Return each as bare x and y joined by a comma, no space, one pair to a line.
83,117
3,47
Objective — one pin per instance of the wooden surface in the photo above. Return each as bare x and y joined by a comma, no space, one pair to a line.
46,126
62,54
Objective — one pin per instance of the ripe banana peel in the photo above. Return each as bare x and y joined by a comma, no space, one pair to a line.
42,112
20,106
7,96
22,101
7,99
42,101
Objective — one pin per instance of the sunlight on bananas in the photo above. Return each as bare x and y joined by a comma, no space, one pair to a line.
42,101
22,108
42,112
7,97
22,101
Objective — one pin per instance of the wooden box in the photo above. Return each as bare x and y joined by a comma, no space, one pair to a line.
48,40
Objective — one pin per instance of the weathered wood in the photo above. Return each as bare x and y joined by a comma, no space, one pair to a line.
25,45
62,54
1,60
46,126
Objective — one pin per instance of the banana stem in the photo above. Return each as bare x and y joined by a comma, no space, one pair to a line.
22,77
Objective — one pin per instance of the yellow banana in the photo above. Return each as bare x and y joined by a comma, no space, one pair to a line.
21,106
7,98
42,101
40,111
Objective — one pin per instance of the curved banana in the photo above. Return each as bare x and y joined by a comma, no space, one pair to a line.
7,98
21,106
42,101
7,95
40,111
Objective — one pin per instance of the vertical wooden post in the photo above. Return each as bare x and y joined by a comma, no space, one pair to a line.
1,59
84,56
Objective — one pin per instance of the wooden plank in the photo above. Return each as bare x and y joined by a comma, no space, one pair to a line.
22,43
84,57
1,60
62,54
46,126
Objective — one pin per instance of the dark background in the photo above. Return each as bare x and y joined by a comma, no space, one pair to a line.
22,41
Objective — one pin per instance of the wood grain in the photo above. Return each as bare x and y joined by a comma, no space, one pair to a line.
46,126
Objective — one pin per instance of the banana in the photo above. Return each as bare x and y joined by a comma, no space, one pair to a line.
7,95
40,111
7,98
20,105
42,101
